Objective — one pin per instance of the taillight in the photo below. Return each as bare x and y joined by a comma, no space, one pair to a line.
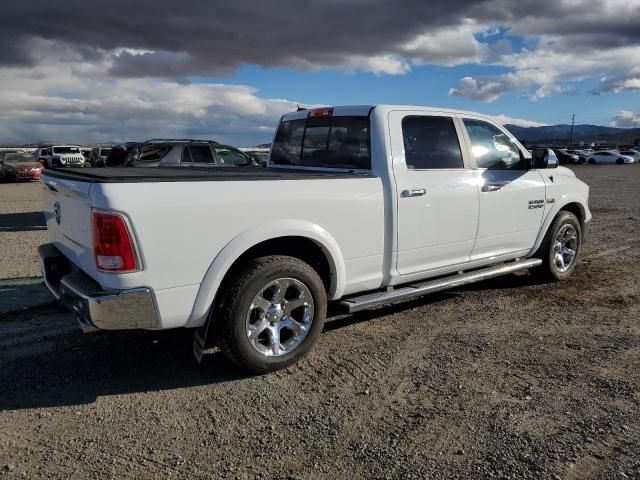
113,243
320,113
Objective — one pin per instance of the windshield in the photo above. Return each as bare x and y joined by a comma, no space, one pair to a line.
17,158
329,142
63,150
105,152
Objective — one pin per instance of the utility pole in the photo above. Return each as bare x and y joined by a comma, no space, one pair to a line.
573,121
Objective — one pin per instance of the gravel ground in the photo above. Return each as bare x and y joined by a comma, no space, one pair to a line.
22,229
508,379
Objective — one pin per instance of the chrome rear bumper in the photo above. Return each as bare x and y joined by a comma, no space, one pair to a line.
94,307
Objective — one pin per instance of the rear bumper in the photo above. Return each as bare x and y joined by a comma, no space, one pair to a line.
94,307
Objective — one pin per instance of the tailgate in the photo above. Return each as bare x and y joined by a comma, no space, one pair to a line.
67,211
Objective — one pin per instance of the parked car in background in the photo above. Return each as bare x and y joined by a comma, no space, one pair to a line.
41,155
635,154
581,154
188,153
609,156
98,156
261,158
564,156
122,155
64,156
86,153
19,166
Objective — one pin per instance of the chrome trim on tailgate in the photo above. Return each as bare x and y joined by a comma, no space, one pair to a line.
94,307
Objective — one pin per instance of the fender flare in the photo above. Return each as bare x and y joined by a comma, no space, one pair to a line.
562,202
254,236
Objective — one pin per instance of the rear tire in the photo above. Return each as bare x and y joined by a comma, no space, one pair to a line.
271,314
592,161
560,248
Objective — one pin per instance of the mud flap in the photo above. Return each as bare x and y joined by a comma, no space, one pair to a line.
200,341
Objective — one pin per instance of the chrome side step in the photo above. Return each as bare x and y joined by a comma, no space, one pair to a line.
362,302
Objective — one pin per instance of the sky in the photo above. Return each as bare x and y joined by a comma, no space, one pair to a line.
87,71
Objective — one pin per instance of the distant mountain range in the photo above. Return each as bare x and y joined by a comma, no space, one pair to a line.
581,133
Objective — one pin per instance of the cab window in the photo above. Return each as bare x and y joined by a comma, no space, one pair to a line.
431,143
492,148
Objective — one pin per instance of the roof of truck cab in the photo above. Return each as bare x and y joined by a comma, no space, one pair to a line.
359,110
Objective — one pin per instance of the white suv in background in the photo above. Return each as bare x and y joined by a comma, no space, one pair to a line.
64,156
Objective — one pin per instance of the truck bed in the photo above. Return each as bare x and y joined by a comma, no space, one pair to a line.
192,174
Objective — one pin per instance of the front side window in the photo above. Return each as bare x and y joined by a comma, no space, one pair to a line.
431,143
327,142
228,156
492,148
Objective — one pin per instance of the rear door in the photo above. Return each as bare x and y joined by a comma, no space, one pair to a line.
436,192
512,196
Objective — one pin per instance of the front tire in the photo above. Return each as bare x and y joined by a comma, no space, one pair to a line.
560,247
271,313
620,161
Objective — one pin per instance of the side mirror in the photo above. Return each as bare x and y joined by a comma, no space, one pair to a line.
543,158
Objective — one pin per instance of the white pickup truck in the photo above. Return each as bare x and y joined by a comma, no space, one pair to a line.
361,205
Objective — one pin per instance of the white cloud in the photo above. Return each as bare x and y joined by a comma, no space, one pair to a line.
390,64
449,47
625,119
547,67
56,102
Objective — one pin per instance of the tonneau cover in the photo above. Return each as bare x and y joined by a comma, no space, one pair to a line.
192,174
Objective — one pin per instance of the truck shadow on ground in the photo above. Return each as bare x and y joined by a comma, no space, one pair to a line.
22,222
45,361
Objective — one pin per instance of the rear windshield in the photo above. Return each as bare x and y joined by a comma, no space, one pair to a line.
334,142
104,152
66,150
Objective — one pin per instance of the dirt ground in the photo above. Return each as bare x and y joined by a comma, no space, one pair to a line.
510,378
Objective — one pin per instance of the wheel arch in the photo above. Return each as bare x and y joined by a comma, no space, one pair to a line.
570,205
303,240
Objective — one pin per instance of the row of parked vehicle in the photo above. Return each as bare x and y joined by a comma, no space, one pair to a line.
620,157
152,153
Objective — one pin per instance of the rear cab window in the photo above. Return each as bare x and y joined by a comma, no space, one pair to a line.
323,140
431,142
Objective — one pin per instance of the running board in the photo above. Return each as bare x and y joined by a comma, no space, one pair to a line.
355,304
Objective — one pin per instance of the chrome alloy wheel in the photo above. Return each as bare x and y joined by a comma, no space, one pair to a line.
279,317
565,247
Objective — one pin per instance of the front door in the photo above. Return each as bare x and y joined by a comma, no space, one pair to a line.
512,196
436,190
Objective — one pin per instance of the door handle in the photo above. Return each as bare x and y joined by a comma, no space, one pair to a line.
491,187
414,192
